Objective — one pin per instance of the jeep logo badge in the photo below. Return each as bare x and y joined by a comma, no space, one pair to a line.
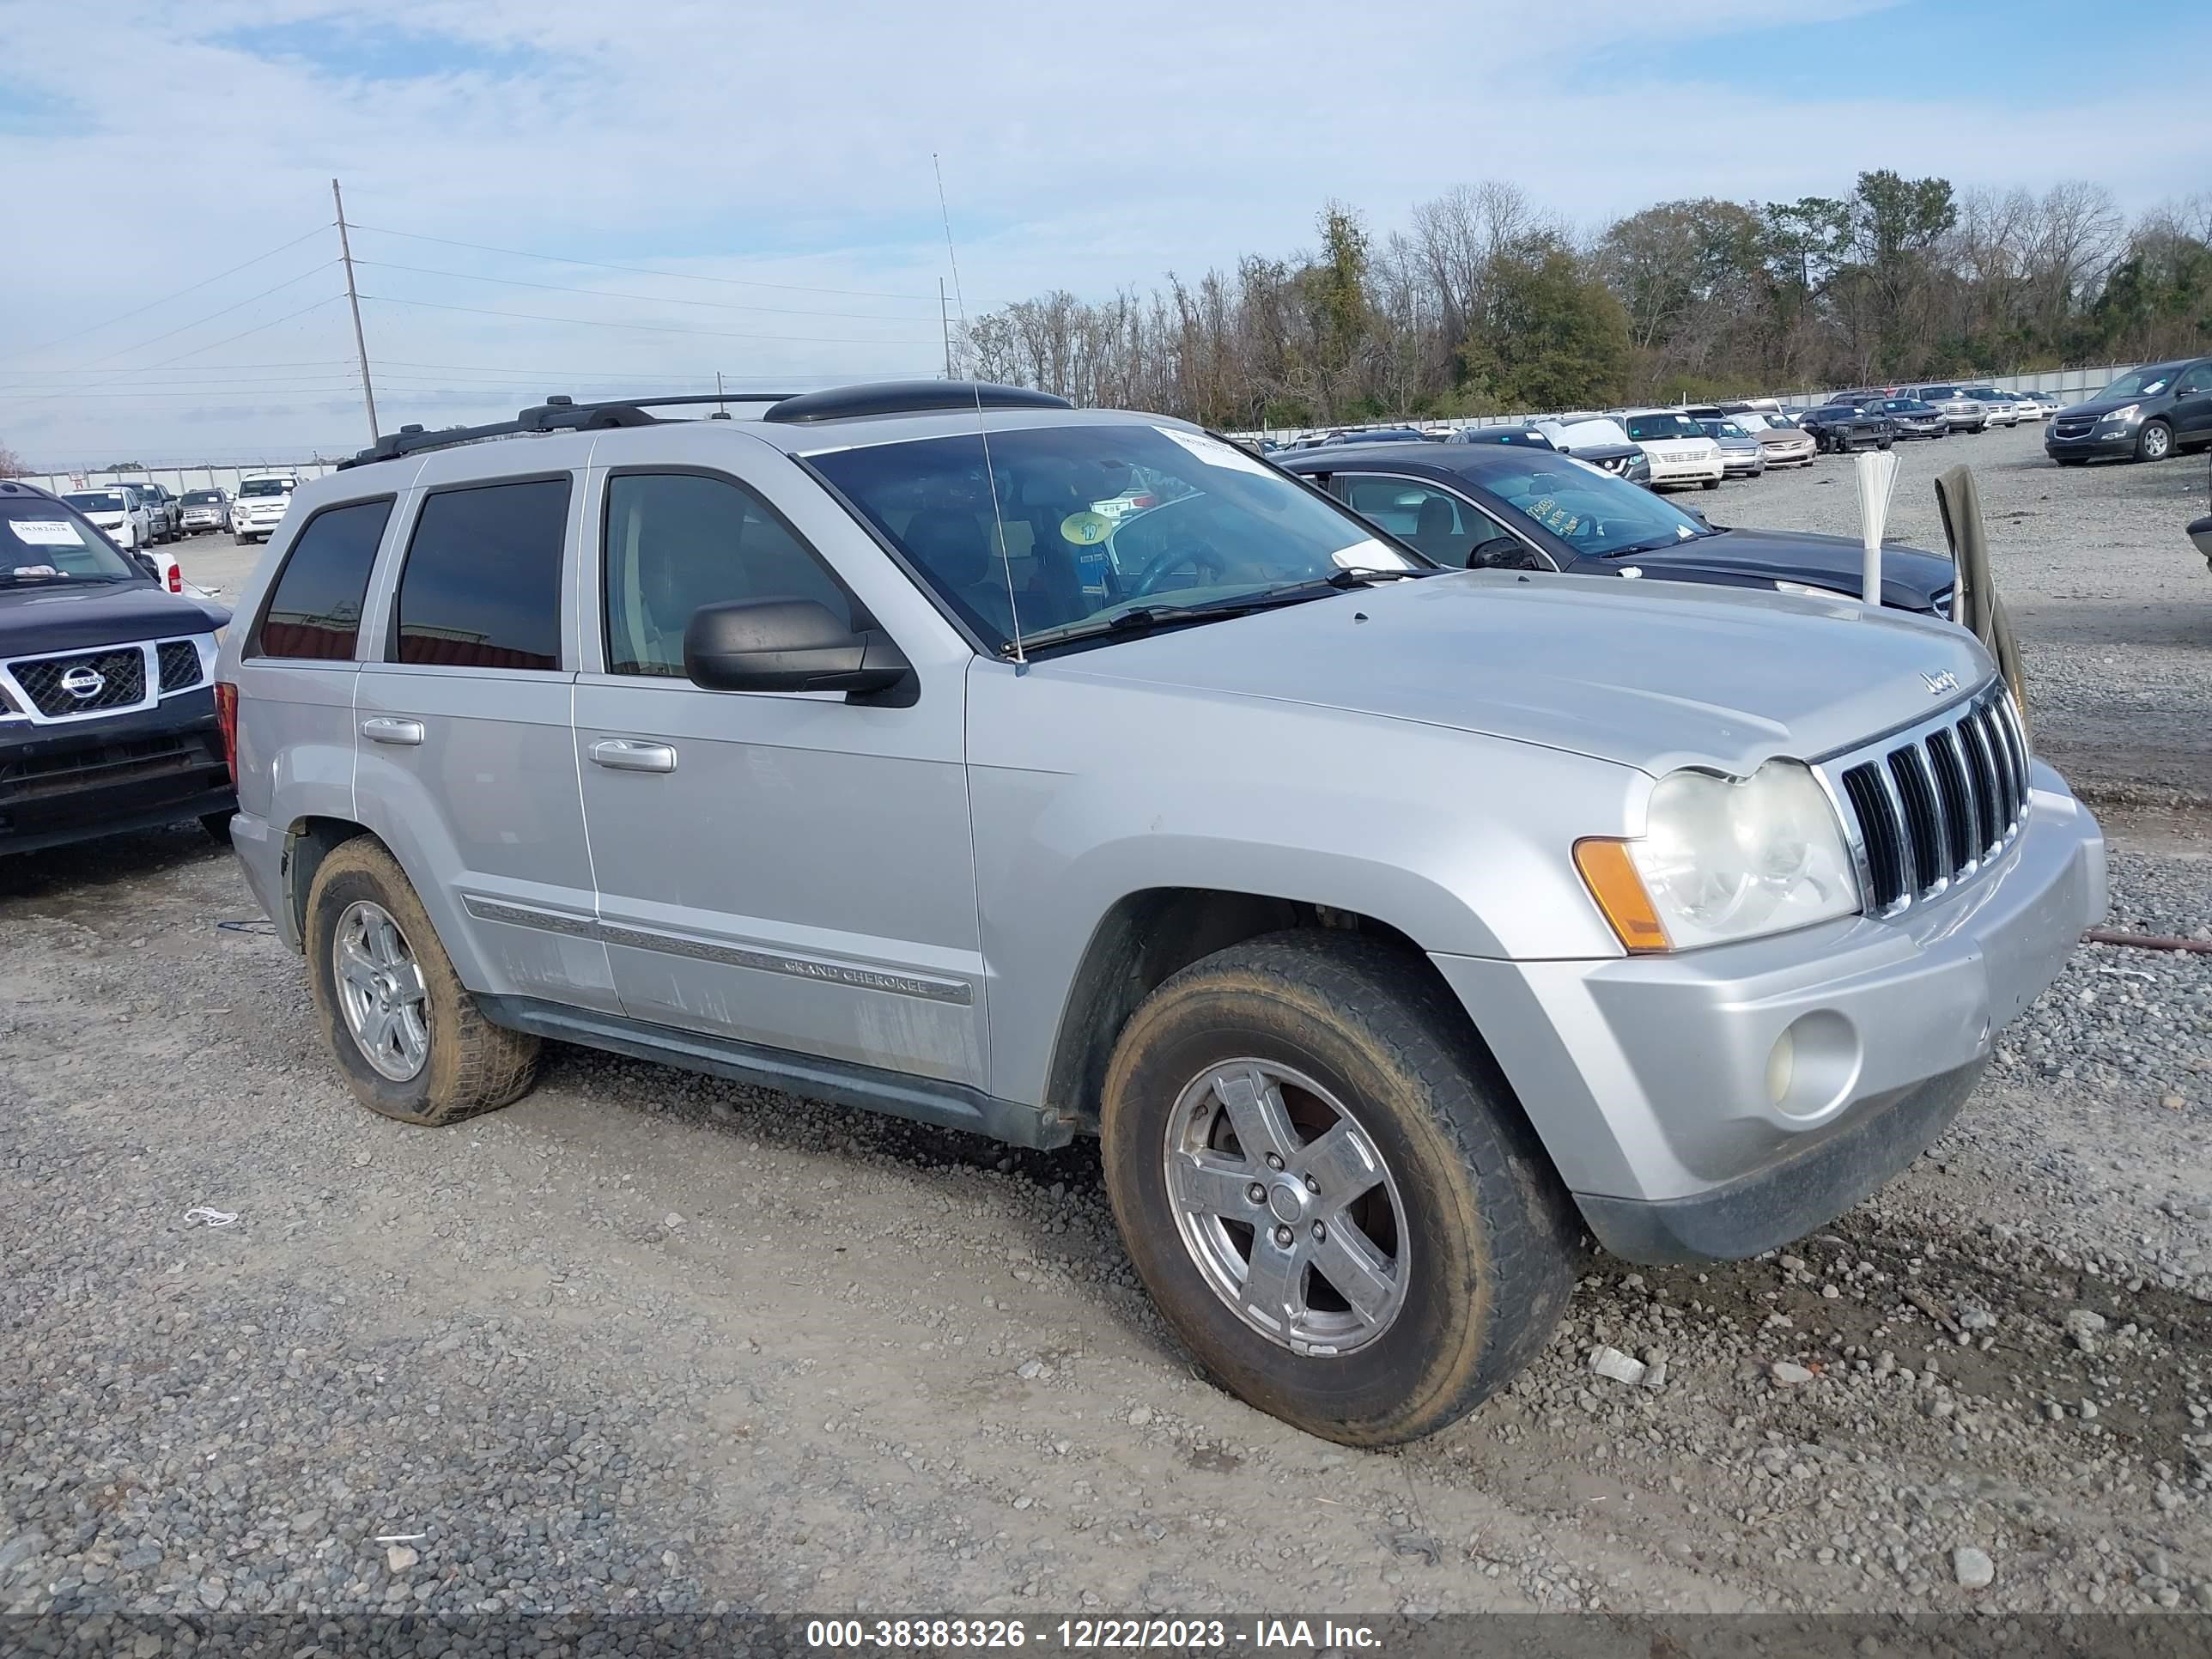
1937,684
82,683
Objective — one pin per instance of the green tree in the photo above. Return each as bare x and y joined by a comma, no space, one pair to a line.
1558,338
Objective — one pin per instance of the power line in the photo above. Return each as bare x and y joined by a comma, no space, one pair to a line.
184,328
649,328
116,376
649,298
644,271
29,351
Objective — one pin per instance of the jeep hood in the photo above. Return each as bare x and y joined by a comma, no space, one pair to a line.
1655,676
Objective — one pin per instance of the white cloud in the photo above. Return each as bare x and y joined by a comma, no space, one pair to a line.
1084,146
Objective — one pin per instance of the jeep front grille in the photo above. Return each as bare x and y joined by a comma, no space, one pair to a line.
1932,807
84,684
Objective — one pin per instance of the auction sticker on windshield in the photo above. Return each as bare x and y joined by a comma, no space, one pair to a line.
1085,529
1213,452
45,532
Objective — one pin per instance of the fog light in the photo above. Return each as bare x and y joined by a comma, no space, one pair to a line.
1781,1068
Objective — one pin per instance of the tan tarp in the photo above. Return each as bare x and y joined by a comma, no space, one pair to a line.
1978,606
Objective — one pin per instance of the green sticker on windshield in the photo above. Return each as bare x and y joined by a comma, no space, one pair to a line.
1085,529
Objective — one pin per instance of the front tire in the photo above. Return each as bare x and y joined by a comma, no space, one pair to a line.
406,1032
1709,484
2154,443
1411,1249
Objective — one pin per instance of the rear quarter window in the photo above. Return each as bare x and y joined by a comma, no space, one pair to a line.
314,610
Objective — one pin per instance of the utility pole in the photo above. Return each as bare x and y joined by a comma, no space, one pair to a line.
353,298
945,327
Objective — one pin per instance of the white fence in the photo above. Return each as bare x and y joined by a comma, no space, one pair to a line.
2068,385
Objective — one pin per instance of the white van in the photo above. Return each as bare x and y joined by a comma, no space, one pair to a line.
1680,451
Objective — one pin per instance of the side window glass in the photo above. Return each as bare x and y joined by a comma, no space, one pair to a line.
1436,521
481,587
314,612
2197,380
678,541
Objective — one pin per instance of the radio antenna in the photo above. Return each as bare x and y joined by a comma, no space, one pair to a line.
990,476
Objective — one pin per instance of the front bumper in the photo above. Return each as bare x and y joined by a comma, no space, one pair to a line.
1743,466
1960,421
1792,454
96,777
1647,1077
2099,444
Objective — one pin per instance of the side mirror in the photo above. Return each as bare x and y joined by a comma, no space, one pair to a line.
1500,553
787,645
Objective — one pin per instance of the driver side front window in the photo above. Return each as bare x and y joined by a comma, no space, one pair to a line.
1445,526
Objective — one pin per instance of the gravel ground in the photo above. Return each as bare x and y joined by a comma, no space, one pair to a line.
652,1343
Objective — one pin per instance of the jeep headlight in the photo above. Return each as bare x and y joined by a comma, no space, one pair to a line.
1724,859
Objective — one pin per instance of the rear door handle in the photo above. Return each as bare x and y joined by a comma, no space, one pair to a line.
384,729
623,754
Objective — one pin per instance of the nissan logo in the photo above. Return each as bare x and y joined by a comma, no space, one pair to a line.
82,683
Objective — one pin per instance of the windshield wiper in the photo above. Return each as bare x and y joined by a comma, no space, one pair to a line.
1144,619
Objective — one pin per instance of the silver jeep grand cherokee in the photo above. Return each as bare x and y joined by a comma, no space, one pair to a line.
946,750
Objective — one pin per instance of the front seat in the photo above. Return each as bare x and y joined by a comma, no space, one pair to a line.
1437,533
953,551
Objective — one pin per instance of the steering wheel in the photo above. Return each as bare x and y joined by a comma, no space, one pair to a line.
1202,559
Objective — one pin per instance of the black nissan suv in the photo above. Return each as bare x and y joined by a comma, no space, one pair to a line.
108,707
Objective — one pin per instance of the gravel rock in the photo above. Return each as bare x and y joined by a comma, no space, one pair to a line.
1788,1374
1972,1568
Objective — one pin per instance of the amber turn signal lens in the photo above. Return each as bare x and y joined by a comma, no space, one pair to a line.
1618,891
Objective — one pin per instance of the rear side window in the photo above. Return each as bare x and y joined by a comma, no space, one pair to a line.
482,587
678,541
314,614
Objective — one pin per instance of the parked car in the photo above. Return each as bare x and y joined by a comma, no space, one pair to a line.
260,505
2036,406
169,512
1785,442
1965,414
206,509
1742,456
2146,415
1839,428
1680,452
1600,441
1614,863
1999,404
107,714
1909,417
119,513
1519,510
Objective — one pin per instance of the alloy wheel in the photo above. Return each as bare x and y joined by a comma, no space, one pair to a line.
381,991
1286,1207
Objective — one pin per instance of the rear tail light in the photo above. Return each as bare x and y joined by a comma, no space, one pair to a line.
225,720
176,579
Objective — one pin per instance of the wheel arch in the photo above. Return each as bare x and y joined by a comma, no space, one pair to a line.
308,841
1147,936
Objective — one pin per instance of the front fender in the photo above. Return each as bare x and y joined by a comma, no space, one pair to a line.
1460,841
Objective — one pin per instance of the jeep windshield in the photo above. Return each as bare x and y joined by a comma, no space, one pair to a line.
42,542
1022,536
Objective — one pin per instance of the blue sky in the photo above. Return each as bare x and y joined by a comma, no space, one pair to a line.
765,171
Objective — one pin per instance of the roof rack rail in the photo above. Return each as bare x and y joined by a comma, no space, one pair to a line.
558,413
845,402
562,414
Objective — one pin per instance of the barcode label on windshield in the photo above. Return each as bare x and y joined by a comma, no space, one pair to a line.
45,532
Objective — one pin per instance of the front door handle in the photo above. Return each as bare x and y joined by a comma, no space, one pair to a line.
625,755
386,729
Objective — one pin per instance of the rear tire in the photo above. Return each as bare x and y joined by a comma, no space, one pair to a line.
1469,1243
467,1065
2154,443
